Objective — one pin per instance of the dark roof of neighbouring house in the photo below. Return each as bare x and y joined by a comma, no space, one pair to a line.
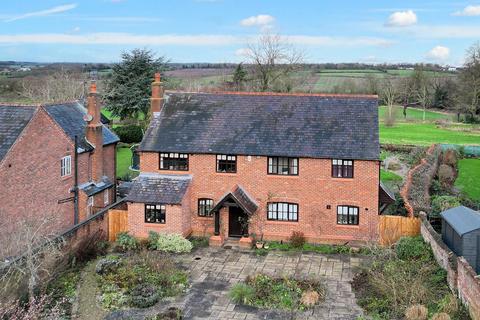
241,198
70,118
386,195
157,188
295,125
13,119
462,219
91,188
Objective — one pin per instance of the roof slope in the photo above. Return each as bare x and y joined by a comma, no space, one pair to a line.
157,188
317,126
462,219
70,118
13,119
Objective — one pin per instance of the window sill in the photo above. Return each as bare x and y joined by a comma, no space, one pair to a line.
233,174
274,222
282,175
343,179
204,218
348,226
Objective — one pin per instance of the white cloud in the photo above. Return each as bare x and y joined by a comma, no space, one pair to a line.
189,40
243,52
261,20
439,53
440,31
402,19
47,12
469,11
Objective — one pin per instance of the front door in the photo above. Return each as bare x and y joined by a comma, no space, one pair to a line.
236,215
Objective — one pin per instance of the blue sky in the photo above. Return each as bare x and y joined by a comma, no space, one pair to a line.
219,30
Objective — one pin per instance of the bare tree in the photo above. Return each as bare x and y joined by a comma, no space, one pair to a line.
29,248
469,91
274,60
389,94
59,86
421,86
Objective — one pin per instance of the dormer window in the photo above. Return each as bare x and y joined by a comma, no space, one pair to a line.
174,161
342,168
226,163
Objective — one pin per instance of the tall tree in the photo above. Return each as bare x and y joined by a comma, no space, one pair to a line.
273,60
421,85
469,82
239,76
389,94
129,88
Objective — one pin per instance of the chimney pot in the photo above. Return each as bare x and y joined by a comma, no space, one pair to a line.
93,87
157,77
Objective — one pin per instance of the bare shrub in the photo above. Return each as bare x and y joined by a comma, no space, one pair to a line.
450,157
297,239
441,316
446,175
40,307
310,298
416,312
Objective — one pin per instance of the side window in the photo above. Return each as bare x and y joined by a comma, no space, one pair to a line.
66,166
155,213
204,207
347,215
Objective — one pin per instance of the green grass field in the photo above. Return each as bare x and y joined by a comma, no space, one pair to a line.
469,177
426,134
414,114
124,160
387,176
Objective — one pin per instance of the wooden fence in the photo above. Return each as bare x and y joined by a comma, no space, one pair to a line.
392,228
117,222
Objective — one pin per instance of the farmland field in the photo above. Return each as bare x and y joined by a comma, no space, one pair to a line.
469,177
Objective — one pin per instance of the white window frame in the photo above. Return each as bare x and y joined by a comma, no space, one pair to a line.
106,197
90,205
66,166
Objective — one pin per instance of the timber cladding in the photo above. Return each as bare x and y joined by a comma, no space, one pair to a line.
392,228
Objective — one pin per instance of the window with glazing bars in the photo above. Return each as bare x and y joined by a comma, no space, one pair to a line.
342,168
282,165
347,215
204,207
282,211
155,213
226,163
174,161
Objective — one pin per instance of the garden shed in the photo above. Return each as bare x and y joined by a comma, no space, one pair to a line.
461,233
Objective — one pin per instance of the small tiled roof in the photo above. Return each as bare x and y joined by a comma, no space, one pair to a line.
462,219
157,188
13,119
386,195
317,126
70,118
92,188
241,198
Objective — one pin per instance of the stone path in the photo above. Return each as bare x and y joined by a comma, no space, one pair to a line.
213,271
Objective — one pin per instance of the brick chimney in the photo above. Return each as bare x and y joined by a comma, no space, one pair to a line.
156,101
94,134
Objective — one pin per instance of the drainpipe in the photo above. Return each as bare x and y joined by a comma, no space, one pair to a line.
75,187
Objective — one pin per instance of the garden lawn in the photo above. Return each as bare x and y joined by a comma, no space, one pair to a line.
124,160
426,134
469,177
387,176
414,114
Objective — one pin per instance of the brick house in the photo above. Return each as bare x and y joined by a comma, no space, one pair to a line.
261,164
37,161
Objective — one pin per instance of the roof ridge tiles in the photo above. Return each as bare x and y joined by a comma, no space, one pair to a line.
291,94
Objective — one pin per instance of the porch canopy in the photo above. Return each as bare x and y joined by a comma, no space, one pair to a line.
236,197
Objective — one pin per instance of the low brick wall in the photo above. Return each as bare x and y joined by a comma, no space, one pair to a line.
461,277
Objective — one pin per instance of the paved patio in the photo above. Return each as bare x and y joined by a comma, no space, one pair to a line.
213,271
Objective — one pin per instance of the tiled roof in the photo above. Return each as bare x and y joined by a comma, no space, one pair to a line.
70,118
91,188
317,126
13,119
157,188
240,197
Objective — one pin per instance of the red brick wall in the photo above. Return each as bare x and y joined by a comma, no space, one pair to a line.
313,189
30,174
175,222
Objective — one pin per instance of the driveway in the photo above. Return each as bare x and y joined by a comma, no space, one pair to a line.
214,270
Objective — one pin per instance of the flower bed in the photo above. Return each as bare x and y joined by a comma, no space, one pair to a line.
285,293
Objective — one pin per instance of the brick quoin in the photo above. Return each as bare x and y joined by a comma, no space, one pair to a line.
313,189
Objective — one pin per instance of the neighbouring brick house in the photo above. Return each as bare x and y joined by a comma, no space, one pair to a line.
265,164
37,161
